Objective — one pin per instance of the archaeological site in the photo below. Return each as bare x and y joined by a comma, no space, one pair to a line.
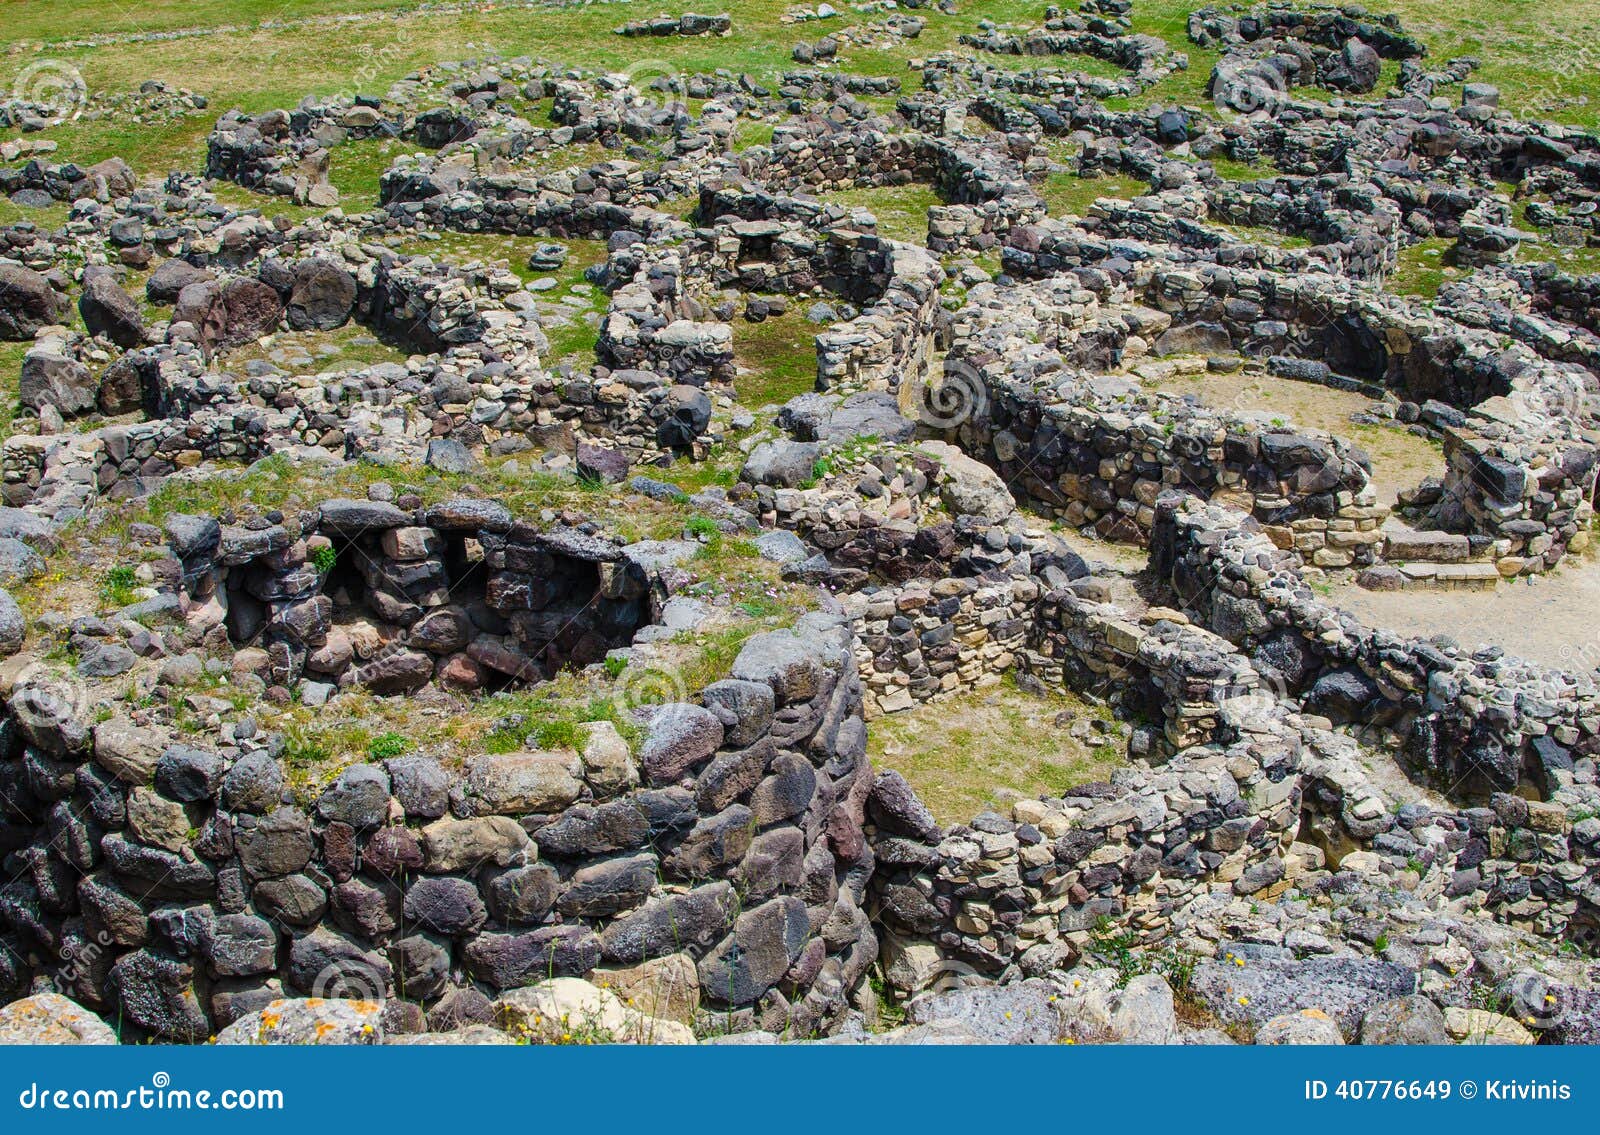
880,523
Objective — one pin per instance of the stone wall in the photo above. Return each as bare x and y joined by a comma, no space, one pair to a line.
372,594
1029,889
1239,789
595,202
179,889
1518,457
1486,720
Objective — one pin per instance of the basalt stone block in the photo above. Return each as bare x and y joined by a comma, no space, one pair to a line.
157,874
50,379
158,994
324,963
460,1007
713,844
27,303
469,514
109,311
443,631
681,736
233,999
359,797
278,843
765,942
399,671
297,900
773,863
731,774
609,887
1343,695
787,792
421,786
353,516
170,278
518,783
110,913
791,665
255,783
366,910
894,807
744,708
188,774
668,809
666,925
421,966
1272,982
505,961
241,945
583,830
445,904
192,538
465,845
523,894
392,852
323,295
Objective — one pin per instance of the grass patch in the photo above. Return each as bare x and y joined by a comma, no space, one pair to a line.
1068,193
345,348
777,358
47,217
901,210
1260,234
963,753
1400,459
1230,170
1422,269
11,356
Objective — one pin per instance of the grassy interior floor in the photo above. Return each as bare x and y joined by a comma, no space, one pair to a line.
986,748
1400,459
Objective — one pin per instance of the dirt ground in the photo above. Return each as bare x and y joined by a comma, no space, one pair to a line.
1399,459
1552,619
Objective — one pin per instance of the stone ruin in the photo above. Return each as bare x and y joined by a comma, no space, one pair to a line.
734,841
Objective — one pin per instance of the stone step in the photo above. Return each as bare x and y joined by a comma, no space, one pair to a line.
1424,575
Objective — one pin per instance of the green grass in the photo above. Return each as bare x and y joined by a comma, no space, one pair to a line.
1230,170
1423,268
49,217
344,348
1068,193
1536,52
11,356
355,167
777,358
971,751
1259,234
901,211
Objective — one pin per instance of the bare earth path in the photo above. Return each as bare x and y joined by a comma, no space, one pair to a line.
1554,620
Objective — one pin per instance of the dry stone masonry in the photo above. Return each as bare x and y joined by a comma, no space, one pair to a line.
1315,830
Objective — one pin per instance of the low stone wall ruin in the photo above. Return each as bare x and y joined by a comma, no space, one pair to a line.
724,852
